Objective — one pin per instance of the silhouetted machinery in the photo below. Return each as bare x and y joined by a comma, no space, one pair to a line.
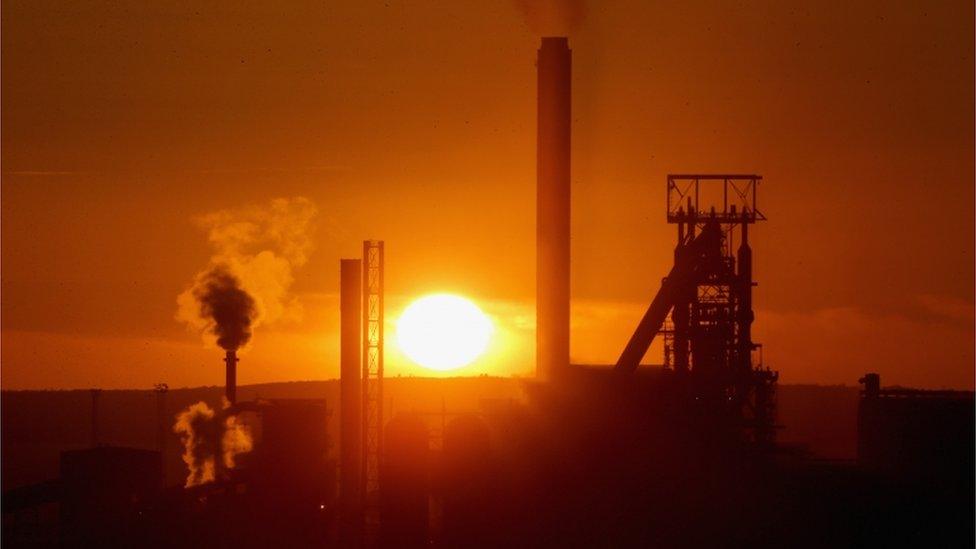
704,306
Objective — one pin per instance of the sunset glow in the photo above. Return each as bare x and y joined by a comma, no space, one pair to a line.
443,332
529,273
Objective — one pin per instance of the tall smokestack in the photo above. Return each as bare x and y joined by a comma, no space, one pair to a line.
350,387
230,390
553,207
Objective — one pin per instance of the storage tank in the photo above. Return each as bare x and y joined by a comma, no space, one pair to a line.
404,482
468,483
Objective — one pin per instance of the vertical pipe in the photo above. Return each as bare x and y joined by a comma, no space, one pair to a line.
553,207
95,394
230,388
745,299
161,389
680,314
350,387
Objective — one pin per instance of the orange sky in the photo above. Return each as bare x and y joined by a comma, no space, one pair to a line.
414,122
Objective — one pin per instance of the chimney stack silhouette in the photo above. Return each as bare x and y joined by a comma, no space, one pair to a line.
553,207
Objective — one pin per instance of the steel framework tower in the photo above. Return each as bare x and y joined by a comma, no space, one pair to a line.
704,306
372,384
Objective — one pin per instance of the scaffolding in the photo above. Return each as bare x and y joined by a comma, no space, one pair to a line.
704,307
372,386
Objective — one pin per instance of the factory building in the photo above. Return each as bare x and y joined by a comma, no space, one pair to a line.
916,434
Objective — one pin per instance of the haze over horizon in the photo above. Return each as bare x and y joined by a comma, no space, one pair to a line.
124,123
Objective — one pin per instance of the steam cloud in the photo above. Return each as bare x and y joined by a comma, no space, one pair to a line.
204,434
246,282
198,432
235,441
551,17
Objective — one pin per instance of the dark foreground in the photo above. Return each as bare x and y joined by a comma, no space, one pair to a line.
596,462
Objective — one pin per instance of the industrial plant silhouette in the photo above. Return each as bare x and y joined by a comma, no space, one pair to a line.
681,454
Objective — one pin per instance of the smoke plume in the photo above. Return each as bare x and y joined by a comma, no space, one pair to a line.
198,432
228,310
236,440
551,17
204,434
246,282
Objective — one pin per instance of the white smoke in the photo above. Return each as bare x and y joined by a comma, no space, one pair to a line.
201,429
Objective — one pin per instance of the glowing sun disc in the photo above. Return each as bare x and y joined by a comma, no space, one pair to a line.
443,332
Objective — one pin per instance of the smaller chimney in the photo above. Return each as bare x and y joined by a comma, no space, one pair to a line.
162,426
95,393
161,418
231,387
872,385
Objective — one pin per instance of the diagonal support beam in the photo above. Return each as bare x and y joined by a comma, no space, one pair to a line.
680,280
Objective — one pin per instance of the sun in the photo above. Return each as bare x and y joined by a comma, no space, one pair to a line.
443,332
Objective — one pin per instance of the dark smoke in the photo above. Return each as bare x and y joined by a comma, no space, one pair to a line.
246,281
230,309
